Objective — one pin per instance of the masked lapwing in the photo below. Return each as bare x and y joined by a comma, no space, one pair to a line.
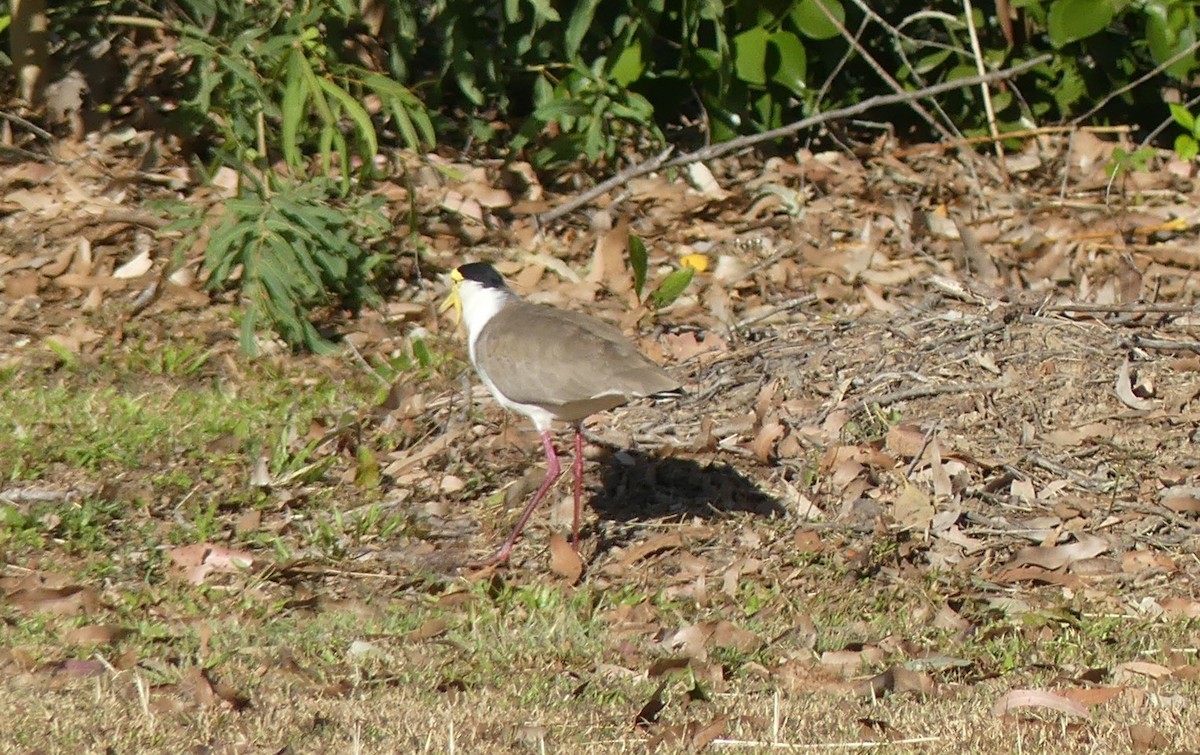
548,364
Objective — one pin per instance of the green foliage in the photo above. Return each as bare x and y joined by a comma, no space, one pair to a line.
638,262
270,78
671,287
1187,144
291,247
1123,162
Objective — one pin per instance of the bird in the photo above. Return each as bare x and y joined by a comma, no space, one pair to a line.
548,364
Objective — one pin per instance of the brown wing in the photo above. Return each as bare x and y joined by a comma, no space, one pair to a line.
554,358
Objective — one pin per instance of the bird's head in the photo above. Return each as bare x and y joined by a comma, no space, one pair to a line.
477,292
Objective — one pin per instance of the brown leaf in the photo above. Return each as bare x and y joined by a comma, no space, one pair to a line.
690,343
709,733
1038,574
849,662
912,509
195,562
430,629
1125,390
1037,698
692,640
670,541
808,542
96,634
1078,435
1137,561
652,708
1141,668
1182,504
63,601
1180,607
1147,738
564,561
905,440
1092,696
726,635
1058,556
768,433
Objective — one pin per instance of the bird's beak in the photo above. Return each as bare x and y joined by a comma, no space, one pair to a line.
454,298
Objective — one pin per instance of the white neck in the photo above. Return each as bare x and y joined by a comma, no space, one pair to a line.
480,304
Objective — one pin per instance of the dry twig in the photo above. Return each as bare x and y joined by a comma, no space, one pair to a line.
717,150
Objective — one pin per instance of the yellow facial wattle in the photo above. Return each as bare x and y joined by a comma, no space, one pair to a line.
454,298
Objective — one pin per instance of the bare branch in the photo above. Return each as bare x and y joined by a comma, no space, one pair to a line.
717,150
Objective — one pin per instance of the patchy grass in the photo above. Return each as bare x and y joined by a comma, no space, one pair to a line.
343,637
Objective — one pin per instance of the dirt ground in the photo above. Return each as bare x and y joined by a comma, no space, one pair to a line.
934,485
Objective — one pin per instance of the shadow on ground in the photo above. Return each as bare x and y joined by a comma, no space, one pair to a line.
638,487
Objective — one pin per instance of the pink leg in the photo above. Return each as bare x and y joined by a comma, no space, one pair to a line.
553,470
578,484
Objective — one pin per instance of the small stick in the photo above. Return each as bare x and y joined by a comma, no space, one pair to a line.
987,93
1134,307
1163,345
925,391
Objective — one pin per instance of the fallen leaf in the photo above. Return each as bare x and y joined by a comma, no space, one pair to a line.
1037,698
1058,556
1180,607
564,561
1147,739
96,634
428,630
1092,696
670,541
1125,390
195,562
904,440
62,601
1142,668
913,509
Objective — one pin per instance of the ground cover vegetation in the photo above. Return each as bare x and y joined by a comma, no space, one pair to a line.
933,488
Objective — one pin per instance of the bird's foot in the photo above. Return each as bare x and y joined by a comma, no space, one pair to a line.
500,558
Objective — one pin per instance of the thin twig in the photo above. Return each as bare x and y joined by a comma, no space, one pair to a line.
882,73
1190,50
786,306
633,171
1159,344
987,93
925,391
718,150
27,125
1133,307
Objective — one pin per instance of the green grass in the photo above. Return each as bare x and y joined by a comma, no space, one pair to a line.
156,444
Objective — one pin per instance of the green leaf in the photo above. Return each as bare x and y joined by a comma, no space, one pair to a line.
1169,30
1182,116
358,114
544,11
1186,147
577,27
638,262
1072,20
812,22
792,61
628,66
933,60
671,287
295,94
750,60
